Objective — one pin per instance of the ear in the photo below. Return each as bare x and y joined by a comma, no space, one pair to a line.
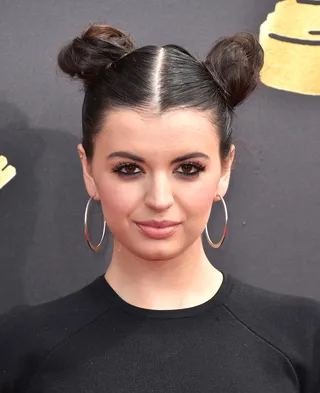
87,174
225,174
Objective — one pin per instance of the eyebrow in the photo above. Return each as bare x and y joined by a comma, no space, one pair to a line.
134,157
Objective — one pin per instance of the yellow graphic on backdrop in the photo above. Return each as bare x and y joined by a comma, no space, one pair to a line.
7,172
290,38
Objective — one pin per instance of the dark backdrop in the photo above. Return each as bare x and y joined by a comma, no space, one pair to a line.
273,201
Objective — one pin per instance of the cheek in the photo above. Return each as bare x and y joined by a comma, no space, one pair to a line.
117,199
197,198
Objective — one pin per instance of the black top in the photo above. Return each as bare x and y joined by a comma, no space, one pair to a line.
245,339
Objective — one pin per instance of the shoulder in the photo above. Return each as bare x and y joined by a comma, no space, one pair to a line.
29,333
55,319
296,315
288,323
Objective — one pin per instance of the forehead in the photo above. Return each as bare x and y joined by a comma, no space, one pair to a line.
181,130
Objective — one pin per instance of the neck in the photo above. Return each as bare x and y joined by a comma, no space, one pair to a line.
184,281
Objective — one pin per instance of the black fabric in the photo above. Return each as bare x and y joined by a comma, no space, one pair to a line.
245,339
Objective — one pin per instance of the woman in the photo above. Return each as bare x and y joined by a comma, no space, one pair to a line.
157,153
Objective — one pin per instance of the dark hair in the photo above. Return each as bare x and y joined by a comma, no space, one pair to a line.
117,75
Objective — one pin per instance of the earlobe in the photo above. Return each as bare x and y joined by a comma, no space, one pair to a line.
223,185
90,185
217,196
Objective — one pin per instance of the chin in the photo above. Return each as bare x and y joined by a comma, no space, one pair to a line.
158,253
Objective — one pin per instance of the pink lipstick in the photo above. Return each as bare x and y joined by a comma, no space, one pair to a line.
157,229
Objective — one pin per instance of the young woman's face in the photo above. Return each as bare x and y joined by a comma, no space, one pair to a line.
147,167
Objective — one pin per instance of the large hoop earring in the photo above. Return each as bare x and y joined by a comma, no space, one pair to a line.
86,232
217,245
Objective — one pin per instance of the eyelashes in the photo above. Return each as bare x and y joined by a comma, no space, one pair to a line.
195,167
129,167
188,169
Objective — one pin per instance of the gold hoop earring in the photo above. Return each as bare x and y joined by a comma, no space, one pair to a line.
86,232
217,245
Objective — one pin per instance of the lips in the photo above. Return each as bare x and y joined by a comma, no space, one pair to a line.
157,229
158,224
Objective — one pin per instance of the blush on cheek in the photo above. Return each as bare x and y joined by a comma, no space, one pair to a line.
119,201
202,196
200,210
198,203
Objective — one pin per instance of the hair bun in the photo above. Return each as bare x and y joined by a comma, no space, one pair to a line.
96,49
235,63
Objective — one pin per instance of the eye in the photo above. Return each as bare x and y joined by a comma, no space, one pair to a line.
126,169
191,169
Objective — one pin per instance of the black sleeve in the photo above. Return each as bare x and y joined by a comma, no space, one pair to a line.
289,323
315,370
15,365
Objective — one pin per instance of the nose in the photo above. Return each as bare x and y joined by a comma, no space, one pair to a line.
159,195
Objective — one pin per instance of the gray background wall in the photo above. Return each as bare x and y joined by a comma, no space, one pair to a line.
273,199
